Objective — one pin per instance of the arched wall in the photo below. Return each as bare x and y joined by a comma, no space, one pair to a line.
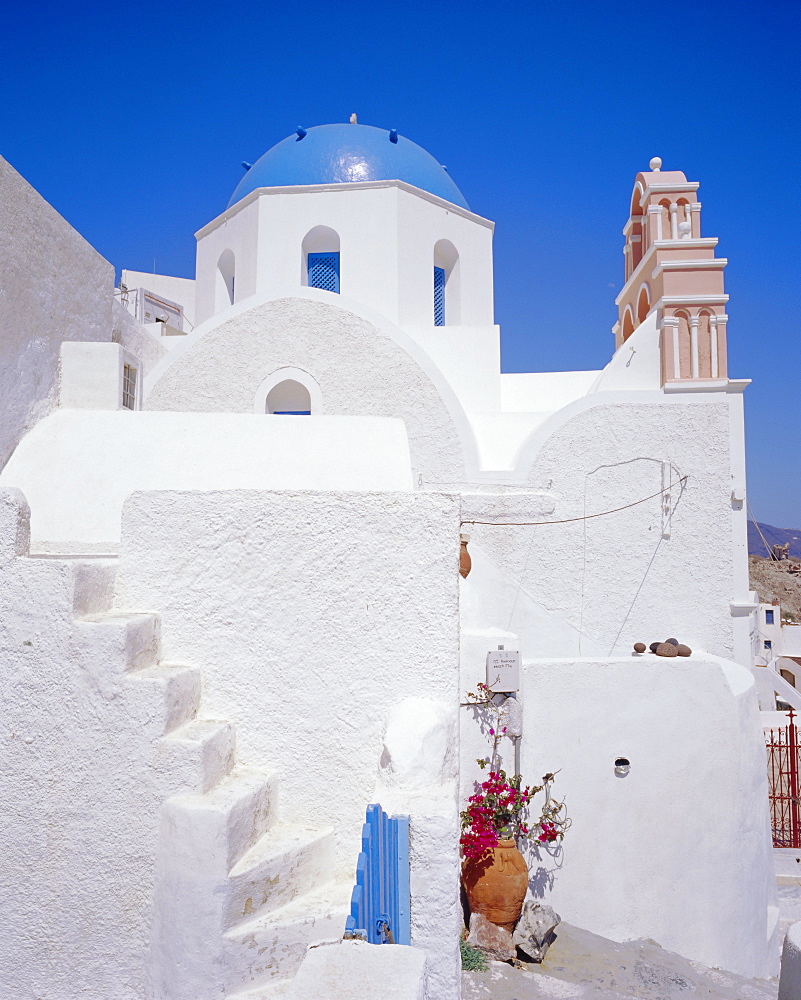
617,450
360,370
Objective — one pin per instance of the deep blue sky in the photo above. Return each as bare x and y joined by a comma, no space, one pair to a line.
132,121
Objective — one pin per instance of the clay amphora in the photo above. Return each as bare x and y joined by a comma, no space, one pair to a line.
496,883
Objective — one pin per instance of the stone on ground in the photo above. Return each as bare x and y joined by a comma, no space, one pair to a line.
494,941
584,966
534,931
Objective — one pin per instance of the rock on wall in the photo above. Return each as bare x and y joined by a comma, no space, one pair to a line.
53,287
360,371
311,615
616,578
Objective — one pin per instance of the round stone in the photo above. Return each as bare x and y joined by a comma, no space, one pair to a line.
666,649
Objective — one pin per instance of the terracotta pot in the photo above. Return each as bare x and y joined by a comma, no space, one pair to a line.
465,562
496,884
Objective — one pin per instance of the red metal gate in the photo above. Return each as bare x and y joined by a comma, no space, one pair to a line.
783,780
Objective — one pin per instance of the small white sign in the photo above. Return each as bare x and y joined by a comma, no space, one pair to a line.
503,670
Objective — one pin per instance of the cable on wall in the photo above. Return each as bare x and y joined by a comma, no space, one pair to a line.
585,517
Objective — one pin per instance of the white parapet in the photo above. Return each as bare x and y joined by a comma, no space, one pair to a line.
77,467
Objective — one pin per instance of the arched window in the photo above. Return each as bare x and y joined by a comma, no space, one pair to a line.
320,267
289,398
224,291
289,391
685,226
643,304
637,234
685,346
628,324
705,344
447,304
664,205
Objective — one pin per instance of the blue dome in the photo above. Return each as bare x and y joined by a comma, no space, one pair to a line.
346,154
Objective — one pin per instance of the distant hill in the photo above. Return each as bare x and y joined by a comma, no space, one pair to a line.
773,536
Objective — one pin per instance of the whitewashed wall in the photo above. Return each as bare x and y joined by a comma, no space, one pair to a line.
55,287
616,579
359,368
311,616
679,850
98,458
387,232
80,786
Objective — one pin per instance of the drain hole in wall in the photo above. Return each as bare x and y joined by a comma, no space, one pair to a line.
622,766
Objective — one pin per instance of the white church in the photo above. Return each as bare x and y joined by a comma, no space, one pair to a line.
231,609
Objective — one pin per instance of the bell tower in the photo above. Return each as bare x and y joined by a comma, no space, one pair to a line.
672,270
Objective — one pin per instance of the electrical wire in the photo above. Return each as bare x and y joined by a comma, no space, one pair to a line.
759,530
586,517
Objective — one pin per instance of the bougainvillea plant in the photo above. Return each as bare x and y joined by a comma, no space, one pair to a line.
499,808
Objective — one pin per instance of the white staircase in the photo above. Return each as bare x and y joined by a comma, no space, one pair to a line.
239,894
779,687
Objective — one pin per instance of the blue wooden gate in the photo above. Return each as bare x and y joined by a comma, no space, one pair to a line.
379,905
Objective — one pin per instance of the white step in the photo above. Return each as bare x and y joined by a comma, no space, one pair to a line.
286,862
167,696
200,840
92,585
199,754
119,641
272,947
235,813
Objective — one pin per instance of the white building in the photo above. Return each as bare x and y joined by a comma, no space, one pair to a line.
231,629
776,651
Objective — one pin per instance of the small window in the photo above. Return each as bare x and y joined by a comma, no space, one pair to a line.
439,296
128,387
768,617
768,644
323,269
290,399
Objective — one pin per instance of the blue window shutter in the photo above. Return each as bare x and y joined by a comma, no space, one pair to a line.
323,270
439,296
769,618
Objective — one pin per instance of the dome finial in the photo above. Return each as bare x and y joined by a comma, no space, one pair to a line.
655,164
354,119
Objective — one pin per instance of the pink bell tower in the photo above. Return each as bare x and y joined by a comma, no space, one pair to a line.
672,270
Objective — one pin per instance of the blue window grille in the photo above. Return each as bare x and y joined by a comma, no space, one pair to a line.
769,618
439,296
380,902
323,271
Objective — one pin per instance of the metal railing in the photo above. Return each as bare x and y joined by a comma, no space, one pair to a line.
783,780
